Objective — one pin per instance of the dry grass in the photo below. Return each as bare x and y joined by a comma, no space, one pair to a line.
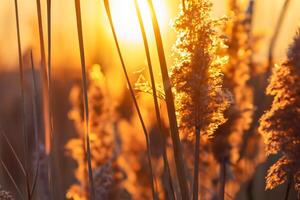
199,127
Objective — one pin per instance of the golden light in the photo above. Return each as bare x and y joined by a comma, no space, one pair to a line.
126,22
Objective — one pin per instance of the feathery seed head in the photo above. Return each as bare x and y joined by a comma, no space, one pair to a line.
280,126
197,73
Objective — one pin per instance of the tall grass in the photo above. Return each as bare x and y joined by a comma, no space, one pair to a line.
177,149
46,100
35,124
21,74
170,192
108,12
85,97
279,127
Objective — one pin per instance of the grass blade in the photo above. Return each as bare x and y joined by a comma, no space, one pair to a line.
196,164
41,34
12,180
222,179
178,155
276,34
46,100
288,187
49,29
107,7
156,105
25,138
13,151
35,121
85,97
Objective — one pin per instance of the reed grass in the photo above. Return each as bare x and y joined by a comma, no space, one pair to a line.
25,159
21,75
85,97
35,124
108,12
46,99
177,149
171,192
49,29
250,14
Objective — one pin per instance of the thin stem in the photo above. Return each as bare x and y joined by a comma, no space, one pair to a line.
222,179
178,155
85,97
50,116
35,121
276,34
14,152
196,164
49,4
41,35
156,105
46,101
288,188
107,7
12,180
22,100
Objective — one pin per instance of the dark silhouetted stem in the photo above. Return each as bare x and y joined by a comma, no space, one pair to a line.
35,122
288,188
196,164
107,7
46,100
21,73
156,105
178,156
85,97
222,179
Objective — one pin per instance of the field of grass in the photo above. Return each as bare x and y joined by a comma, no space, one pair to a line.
149,99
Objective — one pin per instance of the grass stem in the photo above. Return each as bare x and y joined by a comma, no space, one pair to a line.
107,7
222,179
196,164
21,74
85,97
155,98
178,155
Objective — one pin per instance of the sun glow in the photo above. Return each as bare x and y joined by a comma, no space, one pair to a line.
126,22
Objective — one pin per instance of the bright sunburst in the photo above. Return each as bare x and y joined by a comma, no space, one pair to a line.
125,19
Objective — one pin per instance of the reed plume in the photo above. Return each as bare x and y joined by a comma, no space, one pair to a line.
279,126
229,138
101,135
236,76
197,75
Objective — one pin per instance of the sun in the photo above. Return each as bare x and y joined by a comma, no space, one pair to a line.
126,22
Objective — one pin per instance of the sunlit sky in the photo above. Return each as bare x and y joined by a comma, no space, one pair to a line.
98,39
